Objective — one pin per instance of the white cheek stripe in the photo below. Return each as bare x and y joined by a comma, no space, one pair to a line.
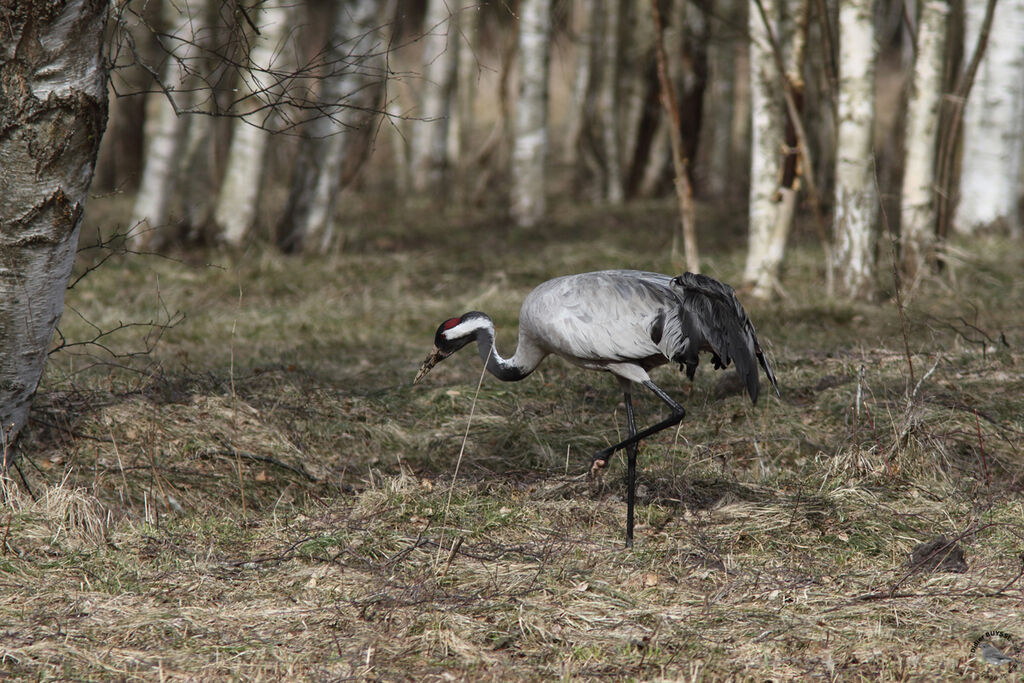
465,328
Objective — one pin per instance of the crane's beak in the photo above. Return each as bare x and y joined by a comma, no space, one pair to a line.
435,357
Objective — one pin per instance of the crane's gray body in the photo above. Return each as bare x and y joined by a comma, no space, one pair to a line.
628,322
600,320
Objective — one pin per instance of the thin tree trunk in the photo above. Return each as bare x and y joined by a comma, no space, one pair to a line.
530,134
53,110
856,200
429,136
680,163
718,175
686,39
951,122
608,102
636,85
766,127
917,201
198,165
238,198
164,129
350,95
463,125
994,124
790,171
581,97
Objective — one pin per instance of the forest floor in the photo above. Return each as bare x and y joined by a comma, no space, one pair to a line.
239,481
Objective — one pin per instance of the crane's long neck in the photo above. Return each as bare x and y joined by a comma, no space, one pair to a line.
526,358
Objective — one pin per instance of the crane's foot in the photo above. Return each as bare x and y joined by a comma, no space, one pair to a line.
600,460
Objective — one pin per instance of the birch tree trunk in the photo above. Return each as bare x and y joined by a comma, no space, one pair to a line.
53,110
237,200
856,201
994,123
773,225
917,200
164,128
530,131
429,137
766,127
349,101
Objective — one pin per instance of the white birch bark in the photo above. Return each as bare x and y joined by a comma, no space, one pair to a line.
767,281
856,202
993,123
164,127
349,102
429,134
530,131
766,128
917,199
238,197
53,109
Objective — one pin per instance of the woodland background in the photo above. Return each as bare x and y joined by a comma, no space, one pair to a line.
287,113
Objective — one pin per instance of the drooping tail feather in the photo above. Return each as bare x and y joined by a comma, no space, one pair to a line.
720,325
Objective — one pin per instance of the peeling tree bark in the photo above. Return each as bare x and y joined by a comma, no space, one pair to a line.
53,110
856,200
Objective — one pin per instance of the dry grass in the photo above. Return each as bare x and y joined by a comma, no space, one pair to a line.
266,497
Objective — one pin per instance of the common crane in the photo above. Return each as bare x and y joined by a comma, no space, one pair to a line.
625,322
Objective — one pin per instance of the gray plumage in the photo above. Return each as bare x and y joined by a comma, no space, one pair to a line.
993,655
613,319
625,322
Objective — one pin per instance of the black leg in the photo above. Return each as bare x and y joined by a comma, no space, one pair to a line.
678,413
631,450
630,444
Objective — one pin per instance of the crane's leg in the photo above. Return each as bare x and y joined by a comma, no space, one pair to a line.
631,450
630,444
678,413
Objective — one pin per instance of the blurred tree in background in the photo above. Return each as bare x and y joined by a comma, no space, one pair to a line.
239,121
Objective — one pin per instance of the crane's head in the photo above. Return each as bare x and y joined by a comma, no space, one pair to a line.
452,335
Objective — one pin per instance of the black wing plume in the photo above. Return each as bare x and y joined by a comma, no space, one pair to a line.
718,323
